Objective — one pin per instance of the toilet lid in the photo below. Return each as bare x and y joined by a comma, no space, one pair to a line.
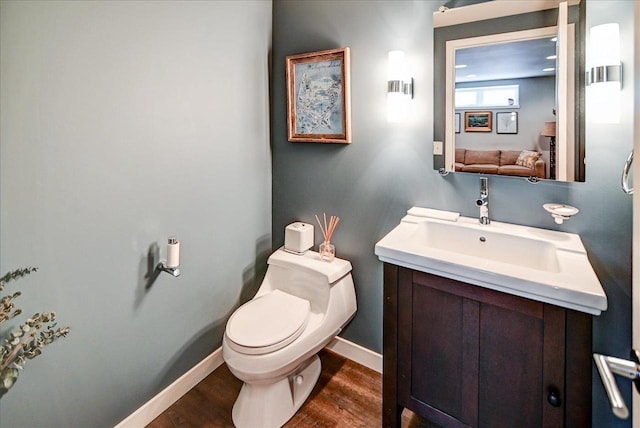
268,323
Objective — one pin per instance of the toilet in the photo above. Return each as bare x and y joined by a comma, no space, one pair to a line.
271,342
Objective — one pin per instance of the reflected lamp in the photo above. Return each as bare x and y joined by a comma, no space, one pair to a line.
549,130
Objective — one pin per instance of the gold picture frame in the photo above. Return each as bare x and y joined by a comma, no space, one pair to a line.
319,97
478,121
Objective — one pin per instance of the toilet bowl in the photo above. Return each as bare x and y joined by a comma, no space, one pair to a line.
271,342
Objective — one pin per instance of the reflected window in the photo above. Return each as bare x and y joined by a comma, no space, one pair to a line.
488,96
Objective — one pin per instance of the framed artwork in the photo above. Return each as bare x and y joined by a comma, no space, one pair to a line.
477,121
507,122
318,97
457,123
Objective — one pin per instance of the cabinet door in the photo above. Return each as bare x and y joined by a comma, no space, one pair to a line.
510,371
442,362
480,358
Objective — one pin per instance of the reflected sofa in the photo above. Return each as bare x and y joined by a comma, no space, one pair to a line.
522,163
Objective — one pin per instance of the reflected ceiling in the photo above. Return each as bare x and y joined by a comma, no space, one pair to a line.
513,60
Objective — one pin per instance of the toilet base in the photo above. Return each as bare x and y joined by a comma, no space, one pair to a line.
271,405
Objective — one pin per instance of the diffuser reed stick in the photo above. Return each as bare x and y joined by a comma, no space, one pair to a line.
327,249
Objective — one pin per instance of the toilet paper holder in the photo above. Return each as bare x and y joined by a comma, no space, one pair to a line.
174,271
172,264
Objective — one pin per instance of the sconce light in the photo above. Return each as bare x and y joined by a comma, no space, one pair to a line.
604,76
399,88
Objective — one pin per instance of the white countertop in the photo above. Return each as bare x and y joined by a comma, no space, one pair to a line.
495,256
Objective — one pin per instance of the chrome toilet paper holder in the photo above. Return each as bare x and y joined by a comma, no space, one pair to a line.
172,264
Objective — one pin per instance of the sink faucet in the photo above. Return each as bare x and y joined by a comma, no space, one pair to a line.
483,201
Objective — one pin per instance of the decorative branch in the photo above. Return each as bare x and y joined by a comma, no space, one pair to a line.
13,275
6,303
26,341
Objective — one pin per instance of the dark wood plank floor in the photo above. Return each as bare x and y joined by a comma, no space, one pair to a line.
346,395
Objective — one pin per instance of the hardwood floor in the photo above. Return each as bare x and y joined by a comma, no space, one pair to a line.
346,395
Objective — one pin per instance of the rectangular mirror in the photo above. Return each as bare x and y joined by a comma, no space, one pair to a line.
508,94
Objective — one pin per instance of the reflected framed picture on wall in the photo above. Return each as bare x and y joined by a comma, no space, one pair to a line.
477,121
457,123
507,122
318,97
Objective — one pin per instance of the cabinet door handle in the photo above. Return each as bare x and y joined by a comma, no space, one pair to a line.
554,397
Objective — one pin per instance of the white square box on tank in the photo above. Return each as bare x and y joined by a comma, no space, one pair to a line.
298,237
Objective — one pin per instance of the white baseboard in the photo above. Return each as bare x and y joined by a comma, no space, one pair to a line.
172,393
357,353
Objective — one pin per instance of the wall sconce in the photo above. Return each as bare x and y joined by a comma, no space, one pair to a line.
604,76
399,88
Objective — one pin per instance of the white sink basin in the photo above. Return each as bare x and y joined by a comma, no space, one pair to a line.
487,243
539,264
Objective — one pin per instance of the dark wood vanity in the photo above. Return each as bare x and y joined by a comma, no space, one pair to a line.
461,355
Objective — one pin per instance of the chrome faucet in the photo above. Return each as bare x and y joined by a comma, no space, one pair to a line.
483,201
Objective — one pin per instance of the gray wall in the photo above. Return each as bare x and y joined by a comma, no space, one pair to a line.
388,167
123,123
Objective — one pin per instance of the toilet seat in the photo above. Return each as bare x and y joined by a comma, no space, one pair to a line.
267,323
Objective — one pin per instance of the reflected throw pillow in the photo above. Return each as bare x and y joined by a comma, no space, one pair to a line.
528,158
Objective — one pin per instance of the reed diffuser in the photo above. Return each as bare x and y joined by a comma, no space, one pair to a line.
327,249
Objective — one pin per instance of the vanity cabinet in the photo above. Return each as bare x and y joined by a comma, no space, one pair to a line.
461,355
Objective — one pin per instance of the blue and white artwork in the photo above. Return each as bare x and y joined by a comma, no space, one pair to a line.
319,97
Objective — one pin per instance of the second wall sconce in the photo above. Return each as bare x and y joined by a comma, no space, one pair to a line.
604,75
399,88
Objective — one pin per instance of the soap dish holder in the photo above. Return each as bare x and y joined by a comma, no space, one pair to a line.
561,212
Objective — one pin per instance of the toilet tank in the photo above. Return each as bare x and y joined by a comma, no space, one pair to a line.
305,276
